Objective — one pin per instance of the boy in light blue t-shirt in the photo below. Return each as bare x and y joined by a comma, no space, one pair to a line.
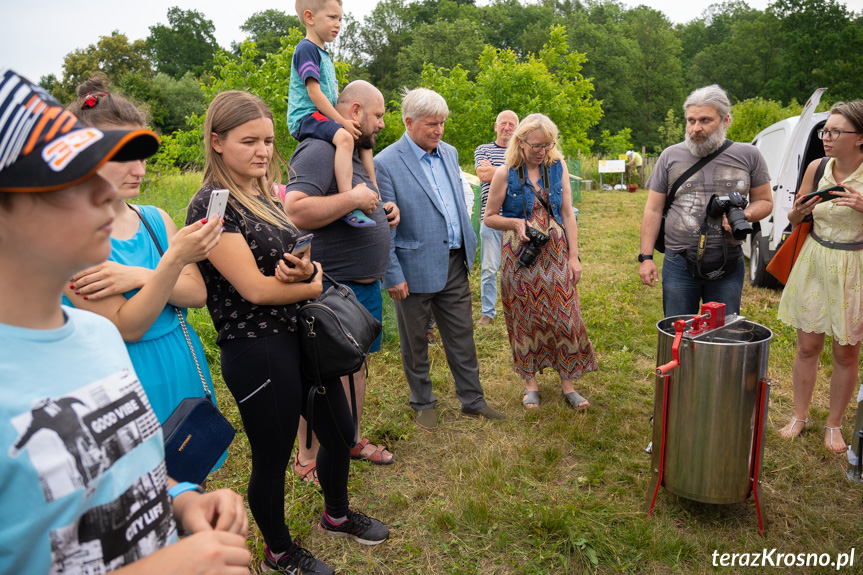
313,92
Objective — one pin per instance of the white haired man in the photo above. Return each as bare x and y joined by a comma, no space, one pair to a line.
431,252
717,275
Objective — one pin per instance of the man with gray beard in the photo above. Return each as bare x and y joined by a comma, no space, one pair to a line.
738,169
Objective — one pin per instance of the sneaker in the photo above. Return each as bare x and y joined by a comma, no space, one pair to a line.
362,528
295,561
484,320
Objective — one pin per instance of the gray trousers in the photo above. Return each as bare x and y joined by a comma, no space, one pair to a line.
452,310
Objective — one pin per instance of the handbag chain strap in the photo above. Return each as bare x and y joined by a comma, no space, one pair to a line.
176,309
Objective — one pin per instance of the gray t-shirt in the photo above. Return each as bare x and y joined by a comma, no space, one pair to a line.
737,169
346,253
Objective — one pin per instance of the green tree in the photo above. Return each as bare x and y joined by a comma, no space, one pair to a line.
823,46
443,45
266,29
753,115
658,81
671,131
173,101
601,33
614,145
745,55
379,42
47,81
114,55
550,82
268,81
186,44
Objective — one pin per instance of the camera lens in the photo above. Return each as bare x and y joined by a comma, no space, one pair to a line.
740,228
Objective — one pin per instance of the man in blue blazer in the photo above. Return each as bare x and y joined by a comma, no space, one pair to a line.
431,252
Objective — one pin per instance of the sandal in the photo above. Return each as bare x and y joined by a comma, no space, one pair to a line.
376,457
358,219
575,401
530,399
308,473
787,432
844,447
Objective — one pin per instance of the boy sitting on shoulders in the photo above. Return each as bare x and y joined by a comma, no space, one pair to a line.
313,93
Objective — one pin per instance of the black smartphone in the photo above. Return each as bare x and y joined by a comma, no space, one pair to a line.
824,194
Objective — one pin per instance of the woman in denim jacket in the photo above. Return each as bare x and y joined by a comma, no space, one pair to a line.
540,300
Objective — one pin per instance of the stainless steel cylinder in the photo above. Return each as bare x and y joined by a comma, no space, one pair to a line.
711,414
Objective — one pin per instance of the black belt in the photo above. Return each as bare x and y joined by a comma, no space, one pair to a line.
850,247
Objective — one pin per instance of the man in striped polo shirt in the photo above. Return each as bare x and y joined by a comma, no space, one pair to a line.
487,158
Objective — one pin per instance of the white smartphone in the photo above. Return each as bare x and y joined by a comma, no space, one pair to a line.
218,203
302,245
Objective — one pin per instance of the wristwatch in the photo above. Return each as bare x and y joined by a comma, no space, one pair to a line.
642,257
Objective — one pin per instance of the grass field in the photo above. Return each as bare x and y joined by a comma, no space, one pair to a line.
551,491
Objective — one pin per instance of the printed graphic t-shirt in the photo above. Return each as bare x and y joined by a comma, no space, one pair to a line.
81,459
737,169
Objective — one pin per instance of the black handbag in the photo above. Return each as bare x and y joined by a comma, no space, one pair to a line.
196,434
336,332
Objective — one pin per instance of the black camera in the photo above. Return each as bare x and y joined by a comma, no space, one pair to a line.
732,206
530,249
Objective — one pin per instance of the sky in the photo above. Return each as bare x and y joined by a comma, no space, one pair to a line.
64,26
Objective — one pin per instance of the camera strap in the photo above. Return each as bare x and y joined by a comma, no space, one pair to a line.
702,246
546,188
697,166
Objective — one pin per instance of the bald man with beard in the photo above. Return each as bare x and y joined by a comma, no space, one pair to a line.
356,257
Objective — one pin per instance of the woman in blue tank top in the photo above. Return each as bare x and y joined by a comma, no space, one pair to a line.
138,288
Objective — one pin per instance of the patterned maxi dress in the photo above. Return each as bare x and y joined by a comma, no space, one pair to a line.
540,305
824,293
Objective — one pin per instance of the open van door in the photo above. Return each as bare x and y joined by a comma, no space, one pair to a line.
798,151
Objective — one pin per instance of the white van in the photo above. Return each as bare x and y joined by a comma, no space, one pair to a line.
788,146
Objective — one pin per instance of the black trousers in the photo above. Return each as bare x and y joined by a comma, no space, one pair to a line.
264,377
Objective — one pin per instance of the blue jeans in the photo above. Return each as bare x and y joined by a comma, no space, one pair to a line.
681,293
490,254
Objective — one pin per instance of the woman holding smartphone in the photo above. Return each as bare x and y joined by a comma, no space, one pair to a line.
823,295
254,285
139,288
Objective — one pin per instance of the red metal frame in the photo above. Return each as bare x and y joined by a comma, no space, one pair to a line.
757,452
662,432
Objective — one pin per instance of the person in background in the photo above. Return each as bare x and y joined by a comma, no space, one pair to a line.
137,288
487,158
254,285
634,166
540,298
823,296
78,484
